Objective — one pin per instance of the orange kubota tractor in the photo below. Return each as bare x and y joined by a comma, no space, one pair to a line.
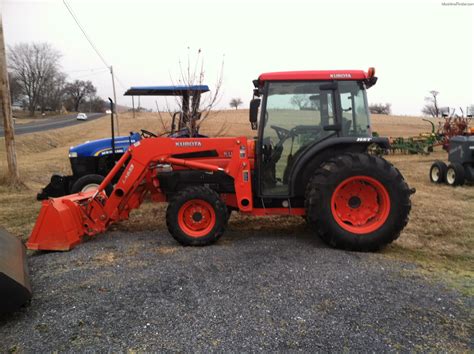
310,158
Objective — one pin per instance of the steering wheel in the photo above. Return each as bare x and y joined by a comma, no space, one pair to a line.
283,133
148,134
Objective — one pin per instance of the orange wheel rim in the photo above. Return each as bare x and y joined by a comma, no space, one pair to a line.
196,218
360,204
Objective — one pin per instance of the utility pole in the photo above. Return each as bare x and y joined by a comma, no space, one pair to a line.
14,175
115,100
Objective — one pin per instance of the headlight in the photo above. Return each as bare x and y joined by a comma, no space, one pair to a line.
72,154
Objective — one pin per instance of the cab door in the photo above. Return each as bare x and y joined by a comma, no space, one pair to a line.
293,118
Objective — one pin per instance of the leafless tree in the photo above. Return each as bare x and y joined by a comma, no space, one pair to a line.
78,90
380,108
52,96
235,103
300,101
33,65
15,88
431,107
95,104
192,73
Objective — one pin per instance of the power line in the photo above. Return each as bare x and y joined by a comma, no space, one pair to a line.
100,56
90,74
85,34
120,82
82,70
90,41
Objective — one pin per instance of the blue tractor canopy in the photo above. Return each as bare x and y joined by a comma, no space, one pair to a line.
173,90
190,101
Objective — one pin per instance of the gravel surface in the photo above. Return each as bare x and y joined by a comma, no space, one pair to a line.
252,292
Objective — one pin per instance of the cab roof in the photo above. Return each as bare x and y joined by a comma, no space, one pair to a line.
173,90
313,75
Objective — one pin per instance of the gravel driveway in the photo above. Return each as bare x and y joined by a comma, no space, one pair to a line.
252,292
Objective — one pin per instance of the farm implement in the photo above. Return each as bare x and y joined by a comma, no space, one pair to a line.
311,162
424,143
421,144
461,163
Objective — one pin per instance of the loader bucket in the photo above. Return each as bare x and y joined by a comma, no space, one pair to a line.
59,226
15,287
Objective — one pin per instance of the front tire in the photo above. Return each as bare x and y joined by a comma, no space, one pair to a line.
89,182
196,216
358,202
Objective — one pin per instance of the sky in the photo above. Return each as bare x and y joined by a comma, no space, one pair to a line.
415,46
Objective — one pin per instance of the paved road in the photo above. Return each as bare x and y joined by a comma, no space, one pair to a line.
264,291
53,123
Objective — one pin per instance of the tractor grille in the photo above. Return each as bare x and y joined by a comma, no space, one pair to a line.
84,165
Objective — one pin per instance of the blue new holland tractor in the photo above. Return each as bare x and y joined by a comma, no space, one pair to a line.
92,160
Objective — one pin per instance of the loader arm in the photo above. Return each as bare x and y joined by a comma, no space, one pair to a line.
64,221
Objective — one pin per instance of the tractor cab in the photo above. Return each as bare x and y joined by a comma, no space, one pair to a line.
301,111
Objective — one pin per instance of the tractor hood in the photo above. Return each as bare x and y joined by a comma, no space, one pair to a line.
103,147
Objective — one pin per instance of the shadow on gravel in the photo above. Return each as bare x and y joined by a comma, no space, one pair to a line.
254,290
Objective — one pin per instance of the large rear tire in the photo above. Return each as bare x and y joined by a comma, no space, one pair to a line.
358,202
196,216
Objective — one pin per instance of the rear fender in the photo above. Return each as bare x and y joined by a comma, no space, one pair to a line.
311,159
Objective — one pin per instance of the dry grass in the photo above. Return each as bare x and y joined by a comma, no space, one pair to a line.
439,235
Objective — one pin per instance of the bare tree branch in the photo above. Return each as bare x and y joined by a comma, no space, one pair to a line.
431,108
194,74
78,90
235,103
33,65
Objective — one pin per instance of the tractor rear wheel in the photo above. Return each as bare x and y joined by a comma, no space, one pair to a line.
438,172
196,216
358,202
455,174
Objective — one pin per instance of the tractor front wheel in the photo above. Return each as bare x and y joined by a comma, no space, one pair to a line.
88,183
358,202
196,216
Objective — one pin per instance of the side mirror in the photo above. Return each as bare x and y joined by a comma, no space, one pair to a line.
253,112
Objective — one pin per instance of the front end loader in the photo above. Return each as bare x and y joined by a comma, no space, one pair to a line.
310,158
92,160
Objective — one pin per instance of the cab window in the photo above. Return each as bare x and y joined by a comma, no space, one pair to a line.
295,115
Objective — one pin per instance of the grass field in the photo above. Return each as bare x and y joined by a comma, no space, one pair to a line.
439,235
